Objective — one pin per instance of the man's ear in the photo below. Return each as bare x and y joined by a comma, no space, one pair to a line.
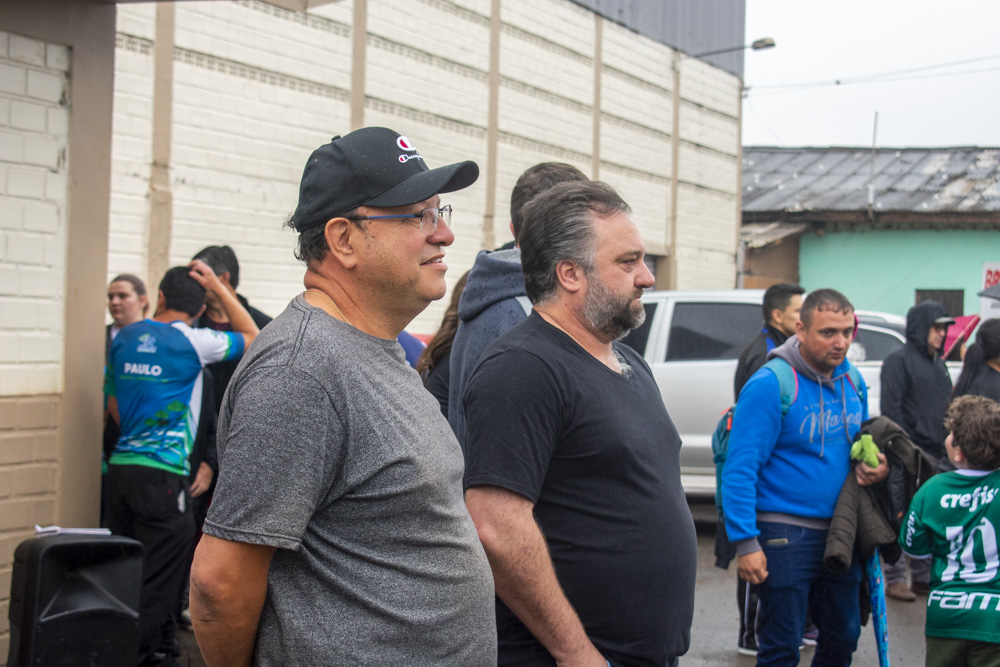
800,329
201,311
570,276
341,235
776,317
160,303
512,234
224,277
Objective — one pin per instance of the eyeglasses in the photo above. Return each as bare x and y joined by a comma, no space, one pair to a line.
429,218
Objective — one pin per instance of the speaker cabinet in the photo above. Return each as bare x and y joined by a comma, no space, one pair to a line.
74,600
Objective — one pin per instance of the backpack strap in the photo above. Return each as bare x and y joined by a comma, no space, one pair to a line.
858,382
788,382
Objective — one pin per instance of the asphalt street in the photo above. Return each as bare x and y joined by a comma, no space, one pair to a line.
713,634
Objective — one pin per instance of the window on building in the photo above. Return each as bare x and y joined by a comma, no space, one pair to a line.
953,300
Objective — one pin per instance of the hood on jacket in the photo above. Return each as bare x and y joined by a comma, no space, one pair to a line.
495,276
919,319
791,352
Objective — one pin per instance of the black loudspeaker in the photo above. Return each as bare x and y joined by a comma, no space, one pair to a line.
74,600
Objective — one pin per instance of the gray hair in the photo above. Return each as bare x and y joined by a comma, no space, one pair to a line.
558,225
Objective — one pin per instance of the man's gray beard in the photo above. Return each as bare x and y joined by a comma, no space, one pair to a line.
609,314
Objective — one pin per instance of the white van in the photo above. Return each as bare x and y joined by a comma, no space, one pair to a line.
692,340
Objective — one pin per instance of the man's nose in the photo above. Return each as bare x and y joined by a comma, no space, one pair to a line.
645,278
443,235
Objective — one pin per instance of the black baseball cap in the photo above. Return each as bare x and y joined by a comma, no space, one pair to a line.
373,166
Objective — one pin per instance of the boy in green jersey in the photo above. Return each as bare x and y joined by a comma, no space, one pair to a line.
953,519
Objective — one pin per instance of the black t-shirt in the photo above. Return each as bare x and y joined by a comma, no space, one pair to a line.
598,455
437,381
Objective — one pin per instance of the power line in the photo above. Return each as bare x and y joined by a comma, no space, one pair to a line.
787,90
883,77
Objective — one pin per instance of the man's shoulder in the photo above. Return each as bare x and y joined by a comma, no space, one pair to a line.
152,337
897,359
313,341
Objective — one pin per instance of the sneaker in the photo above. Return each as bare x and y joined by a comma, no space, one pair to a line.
752,650
810,636
900,591
920,587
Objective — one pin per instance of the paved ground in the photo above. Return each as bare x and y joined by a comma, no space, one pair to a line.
713,636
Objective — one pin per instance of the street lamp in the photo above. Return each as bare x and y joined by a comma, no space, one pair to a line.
757,45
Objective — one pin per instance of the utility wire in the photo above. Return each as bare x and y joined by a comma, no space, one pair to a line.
784,90
883,77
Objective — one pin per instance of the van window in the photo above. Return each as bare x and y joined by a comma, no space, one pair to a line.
704,331
877,345
637,339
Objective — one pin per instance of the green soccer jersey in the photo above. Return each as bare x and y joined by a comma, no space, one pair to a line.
954,518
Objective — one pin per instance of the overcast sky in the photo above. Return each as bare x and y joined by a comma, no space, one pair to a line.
824,41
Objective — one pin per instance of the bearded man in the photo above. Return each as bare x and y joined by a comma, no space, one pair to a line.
572,469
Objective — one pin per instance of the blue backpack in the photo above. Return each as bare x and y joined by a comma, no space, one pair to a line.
788,386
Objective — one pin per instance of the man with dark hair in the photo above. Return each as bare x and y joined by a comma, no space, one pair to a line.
494,299
154,388
781,306
572,463
782,477
916,388
337,534
223,261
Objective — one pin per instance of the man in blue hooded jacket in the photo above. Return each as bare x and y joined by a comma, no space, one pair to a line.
781,481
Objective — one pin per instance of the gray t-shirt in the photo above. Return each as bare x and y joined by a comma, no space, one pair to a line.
331,450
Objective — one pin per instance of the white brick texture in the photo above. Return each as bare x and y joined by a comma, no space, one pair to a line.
257,88
33,168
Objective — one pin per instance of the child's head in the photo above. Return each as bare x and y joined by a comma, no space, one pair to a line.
974,442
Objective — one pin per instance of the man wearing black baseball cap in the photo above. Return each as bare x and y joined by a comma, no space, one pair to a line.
338,533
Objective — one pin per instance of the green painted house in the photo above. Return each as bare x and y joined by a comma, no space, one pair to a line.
888,227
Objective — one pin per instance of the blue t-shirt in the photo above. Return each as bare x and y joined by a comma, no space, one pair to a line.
154,371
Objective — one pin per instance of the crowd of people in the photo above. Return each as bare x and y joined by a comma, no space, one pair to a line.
516,499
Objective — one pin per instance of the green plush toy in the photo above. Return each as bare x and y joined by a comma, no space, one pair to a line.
865,449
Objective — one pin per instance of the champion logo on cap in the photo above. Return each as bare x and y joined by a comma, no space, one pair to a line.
404,144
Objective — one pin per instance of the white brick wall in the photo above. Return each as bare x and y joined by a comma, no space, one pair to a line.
257,88
131,143
33,168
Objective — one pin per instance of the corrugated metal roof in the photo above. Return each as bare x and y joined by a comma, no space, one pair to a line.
758,236
917,180
692,26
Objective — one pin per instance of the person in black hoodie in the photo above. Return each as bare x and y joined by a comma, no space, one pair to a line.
916,389
981,366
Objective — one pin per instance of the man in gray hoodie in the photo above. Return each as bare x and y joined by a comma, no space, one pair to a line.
494,299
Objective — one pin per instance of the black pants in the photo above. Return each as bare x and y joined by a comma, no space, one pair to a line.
153,506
